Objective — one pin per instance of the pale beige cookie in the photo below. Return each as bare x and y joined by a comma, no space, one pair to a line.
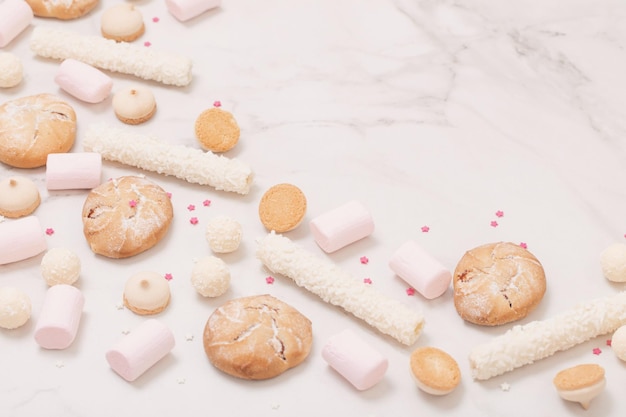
134,105
435,371
63,10
217,130
282,208
19,197
581,383
126,216
257,337
497,283
146,293
11,70
122,22
33,127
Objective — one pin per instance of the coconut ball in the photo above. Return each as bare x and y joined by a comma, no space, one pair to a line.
11,70
210,277
613,262
618,343
60,266
15,307
223,234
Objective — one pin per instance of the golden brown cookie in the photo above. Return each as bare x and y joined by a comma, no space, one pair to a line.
497,283
134,105
33,127
217,130
282,208
126,216
63,10
146,293
435,371
19,197
257,337
122,23
580,383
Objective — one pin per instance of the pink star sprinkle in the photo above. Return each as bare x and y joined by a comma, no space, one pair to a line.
367,280
364,260
132,203
410,291
168,194
217,103
499,213
191,207
206,203
155,19
146,43
523,245
193,220
269,280
168,276
494,223
425,229
609,342
597,351
49,231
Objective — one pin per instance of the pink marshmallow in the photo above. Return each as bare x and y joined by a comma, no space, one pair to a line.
186,9
15,16
420,270
73,171
21,239
355,360
83,81
59,317
142,348
342,226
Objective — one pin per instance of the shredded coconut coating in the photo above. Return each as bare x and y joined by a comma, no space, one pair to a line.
523,345
123,57
334,286
149,153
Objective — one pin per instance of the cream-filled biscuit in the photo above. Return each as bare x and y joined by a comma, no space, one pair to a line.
122,22
134,105
146,293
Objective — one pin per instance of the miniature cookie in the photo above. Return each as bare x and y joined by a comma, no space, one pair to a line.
257,337
580,383
223,234
34,127
210,277
618,343
613,262
146,293
19,197
11,70
15,307
497,283
63,10
435,371
122,22
126,216
134,105
60,266
282,208
217,130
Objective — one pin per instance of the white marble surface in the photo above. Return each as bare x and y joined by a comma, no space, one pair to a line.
430,113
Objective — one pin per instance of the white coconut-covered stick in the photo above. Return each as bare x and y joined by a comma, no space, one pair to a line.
123,57
525,344
190,164
326,280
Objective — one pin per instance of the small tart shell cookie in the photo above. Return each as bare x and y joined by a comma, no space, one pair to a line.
223,234
126,216
33,127
282,208
581,383
15,308
497,283
217,130
19,197
435,371
11,70
146,293
210,277
60,266
63,10
134,105
122,22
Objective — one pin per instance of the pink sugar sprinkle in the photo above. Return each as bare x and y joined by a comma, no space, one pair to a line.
523,245
597,351
168,276
168,194
191,207
410,291
132,203
499,213
425,229
364,260
146,43
49,231
494,223
217,103
609,342
269,280
367,280
193,220
155,19
206,203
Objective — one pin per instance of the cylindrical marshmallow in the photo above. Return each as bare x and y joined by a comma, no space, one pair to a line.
73,171
83,81
59,317
342,226
139,350
186,9
21,239
15,16
355,360
420,270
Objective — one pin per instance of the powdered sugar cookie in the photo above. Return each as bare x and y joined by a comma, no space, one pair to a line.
217,130
11,70
282,208
19,197
63,10
122,22
134,105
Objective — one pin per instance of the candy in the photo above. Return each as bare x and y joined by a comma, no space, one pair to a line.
59,317
342,226
83,81
73,171
21,239
15,16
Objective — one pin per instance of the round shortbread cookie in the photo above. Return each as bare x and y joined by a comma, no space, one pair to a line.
257,337
282,208
19,197
134,105
126,216
146,293
60,266
63,10
217,130
435,371
11,70
33,127
497,283
15,308
122,22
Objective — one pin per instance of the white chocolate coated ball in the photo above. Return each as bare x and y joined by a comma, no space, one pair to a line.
223,234
613,262
15,308
60,266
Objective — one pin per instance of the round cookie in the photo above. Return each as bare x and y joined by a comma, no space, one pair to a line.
435,371
34,127
15,308
19,197
217,130
11,70
282,208
126,216
63,10
497,283
122,23
223,234
581,383
257,337
146,293
134,105
210,277
60,266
